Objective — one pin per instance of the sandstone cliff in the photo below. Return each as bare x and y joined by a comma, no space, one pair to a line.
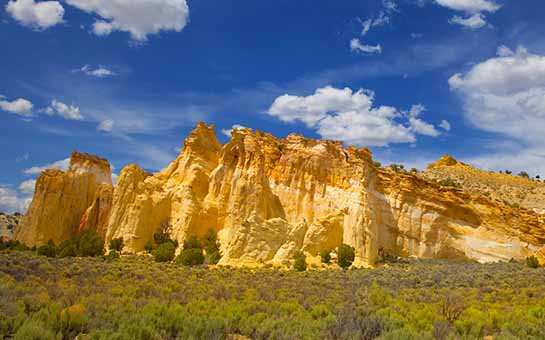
61,199
268,197
8,224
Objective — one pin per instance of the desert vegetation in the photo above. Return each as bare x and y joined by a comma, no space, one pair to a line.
134,297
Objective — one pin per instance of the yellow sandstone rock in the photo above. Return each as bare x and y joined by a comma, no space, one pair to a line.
268,198
61,198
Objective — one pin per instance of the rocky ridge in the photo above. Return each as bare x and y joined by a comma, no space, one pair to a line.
268,197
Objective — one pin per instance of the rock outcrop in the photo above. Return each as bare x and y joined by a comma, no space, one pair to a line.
8,224
62,198
268,198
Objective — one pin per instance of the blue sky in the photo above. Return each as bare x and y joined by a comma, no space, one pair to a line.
411,79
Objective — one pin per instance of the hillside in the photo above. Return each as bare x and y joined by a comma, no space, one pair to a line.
8,224
510,189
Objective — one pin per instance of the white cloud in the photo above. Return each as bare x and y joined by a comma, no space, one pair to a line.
506,94
63,164
475,21
356,45
39,15
227,132
99,72
57,108
473,8
138,17
27,187
11,202
106,125
470,6
445,125
21,107
342,114
418,125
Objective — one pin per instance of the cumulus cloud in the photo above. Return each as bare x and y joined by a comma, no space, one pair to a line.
140,18
475,21
356,45
38,15
57,108
342,114
106,125
63,164
21,107
227,132
99,72
11,201
27,187
473,9
506,94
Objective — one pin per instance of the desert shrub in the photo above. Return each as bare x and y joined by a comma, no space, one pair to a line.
325,256
300,261
87,244
211,247
15,245
449,182
48,250
165,252
345,255
192,253
117,244
397,167
523,174
113,255
162,235
35,330
90,244
68,248
532,262
377,164
149,247
190,257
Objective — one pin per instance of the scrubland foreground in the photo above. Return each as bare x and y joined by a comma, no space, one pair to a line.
137,298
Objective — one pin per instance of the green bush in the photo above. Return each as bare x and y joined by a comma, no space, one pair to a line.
190,257
113,255
532,262
149,247
345,255
191,254
15,245
325,255
48,250
165,252
117,244
211,247
300,261
87,244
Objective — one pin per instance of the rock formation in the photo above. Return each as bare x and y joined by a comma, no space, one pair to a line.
269,197
8,224
62,198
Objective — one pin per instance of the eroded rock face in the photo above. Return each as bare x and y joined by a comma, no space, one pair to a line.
61,199
268,198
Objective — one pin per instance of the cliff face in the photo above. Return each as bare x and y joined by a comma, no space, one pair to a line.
61,199
269,197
